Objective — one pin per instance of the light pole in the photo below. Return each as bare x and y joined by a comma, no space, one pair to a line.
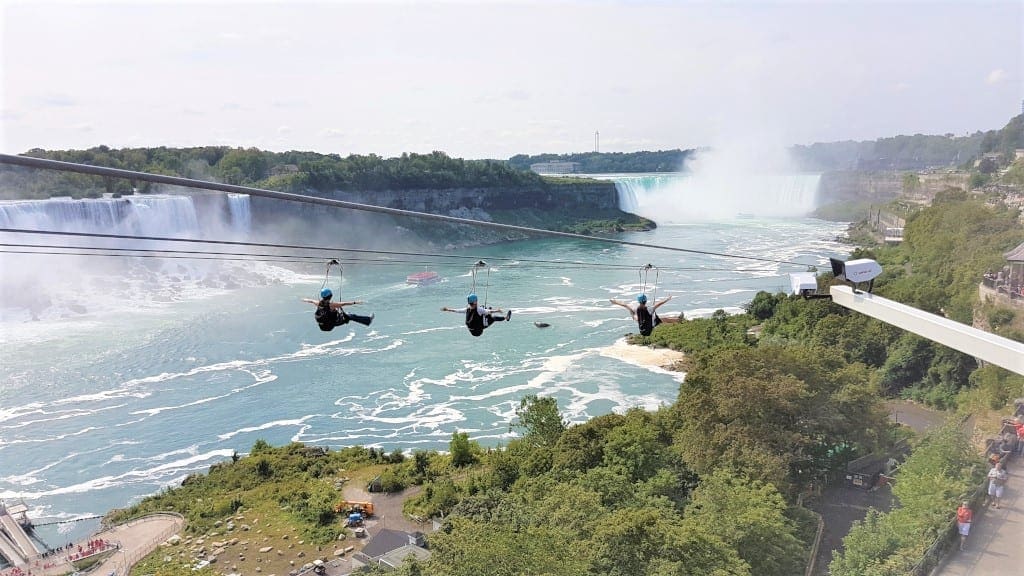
124,560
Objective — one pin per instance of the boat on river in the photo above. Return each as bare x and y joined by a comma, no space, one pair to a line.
423,278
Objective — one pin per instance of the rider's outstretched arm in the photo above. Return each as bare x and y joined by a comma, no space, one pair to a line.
666,299
632,313
447,309
335,305
314,302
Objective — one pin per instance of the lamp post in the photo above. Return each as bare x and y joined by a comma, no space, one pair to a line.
124,560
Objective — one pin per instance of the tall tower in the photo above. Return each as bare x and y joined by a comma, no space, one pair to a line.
597,141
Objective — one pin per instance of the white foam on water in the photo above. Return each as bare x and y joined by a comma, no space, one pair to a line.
266,426
59,415
729,292
28,477
436,329
5,443
148,476
596,323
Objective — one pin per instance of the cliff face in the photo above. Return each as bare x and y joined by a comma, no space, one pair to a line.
588,198
556,206
868,186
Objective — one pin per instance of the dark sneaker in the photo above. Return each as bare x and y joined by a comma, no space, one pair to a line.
508,316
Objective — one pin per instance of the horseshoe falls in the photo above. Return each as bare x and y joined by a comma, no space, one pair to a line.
685,197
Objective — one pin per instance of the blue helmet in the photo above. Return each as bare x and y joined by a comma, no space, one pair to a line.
641,298
326,293
471,298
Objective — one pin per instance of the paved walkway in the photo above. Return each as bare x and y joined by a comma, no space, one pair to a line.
996,544
137,538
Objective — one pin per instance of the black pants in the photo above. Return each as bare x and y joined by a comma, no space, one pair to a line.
340,318
343,318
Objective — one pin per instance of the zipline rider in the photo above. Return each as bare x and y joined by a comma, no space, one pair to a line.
479,318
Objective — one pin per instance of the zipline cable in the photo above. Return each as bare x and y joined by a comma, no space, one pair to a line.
292,246
574,263
292,197
290,259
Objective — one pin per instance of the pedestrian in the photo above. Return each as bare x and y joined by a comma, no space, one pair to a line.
996,481
964,516
1005,449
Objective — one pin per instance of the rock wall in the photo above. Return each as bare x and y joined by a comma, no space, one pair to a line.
587,197
870,186
353,226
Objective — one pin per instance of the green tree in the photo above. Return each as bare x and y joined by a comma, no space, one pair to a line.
540,418
765,412
472,548
749,516
911,183
461,449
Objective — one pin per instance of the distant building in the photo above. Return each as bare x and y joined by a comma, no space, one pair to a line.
555,167
389,548
282,169
1018,153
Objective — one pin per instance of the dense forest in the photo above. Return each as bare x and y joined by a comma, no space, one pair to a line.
911,152
611,162
285,171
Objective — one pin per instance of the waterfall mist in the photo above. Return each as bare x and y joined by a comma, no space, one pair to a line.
722,183
53,287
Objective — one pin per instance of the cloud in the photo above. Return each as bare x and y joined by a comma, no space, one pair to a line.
996,76
284,129
83,127
901,87
231,106
334,133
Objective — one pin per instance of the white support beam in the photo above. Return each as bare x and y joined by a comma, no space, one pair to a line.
989,347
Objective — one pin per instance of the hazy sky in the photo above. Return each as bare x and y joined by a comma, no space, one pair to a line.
493,79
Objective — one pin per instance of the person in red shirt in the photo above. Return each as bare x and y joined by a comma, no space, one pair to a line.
964,516
1018,425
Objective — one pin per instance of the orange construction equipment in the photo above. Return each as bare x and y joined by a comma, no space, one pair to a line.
348,506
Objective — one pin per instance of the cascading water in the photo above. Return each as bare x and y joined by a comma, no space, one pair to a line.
686,197
137,215
241,216
111,281
164,216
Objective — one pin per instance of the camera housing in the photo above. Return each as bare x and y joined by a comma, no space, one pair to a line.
856,271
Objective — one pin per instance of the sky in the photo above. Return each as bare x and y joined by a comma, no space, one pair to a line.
495,79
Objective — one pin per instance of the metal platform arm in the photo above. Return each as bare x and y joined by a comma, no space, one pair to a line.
986,346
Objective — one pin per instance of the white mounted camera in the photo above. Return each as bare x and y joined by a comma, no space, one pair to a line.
856,271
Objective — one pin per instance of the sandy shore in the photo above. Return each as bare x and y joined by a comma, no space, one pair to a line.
659,359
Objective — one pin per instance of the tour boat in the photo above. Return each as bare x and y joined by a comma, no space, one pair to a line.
423,278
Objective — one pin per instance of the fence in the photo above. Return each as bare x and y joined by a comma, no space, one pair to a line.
812,562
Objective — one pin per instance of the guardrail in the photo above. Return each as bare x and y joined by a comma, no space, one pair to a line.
812,562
